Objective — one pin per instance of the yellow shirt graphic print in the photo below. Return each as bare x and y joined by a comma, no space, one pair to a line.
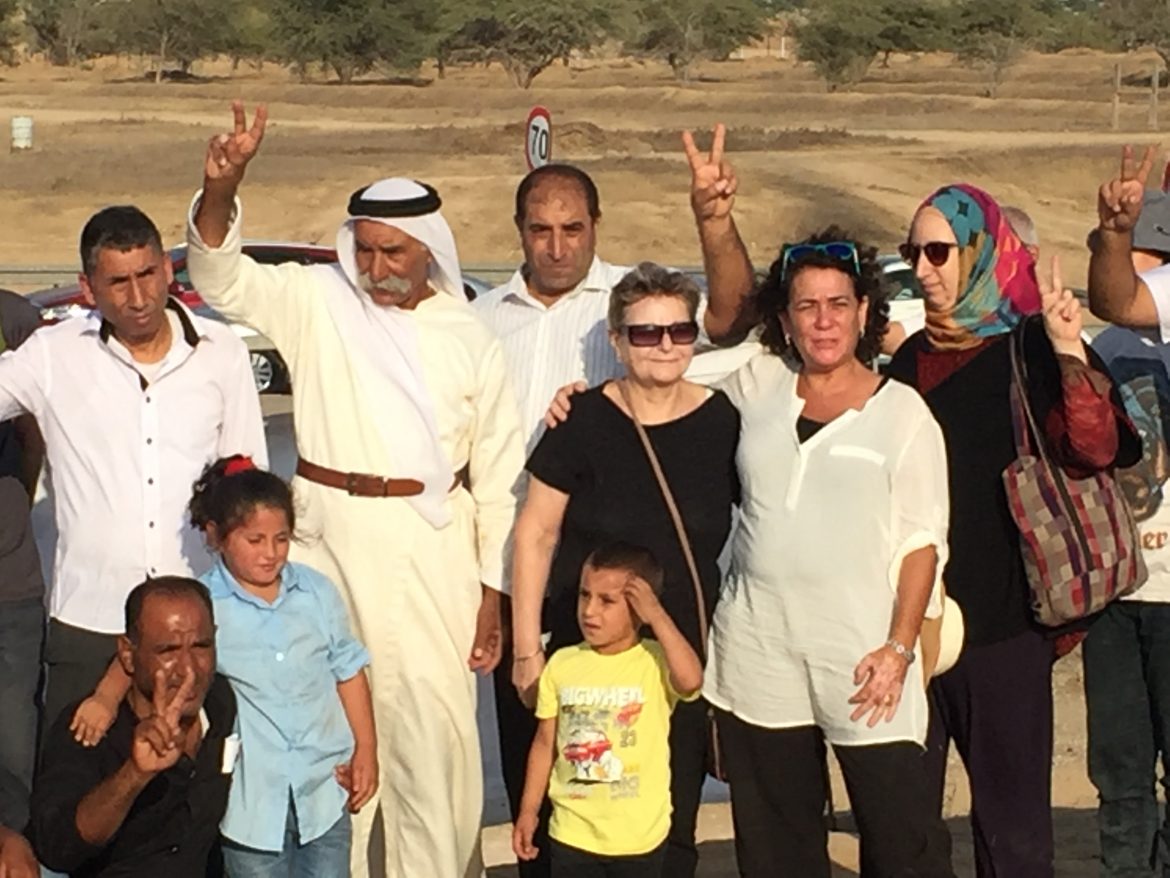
610,785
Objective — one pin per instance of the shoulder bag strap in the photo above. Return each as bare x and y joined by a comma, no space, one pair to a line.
675,516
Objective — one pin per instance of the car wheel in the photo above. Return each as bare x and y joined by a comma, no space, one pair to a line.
263,371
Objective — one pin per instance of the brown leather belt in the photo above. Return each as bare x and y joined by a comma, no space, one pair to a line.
363,485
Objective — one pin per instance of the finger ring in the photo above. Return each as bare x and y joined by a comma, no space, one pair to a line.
889,699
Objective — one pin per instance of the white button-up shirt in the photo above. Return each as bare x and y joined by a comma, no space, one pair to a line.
549,346
123,451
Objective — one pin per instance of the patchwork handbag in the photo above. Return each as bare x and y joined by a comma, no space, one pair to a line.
1078,537
714,754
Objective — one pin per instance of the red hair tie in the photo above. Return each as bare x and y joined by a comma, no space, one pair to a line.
238,464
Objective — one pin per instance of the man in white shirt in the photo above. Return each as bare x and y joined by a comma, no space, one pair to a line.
409,444
551,318
133,401
1127,650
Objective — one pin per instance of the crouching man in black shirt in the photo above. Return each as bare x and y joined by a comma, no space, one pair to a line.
147,800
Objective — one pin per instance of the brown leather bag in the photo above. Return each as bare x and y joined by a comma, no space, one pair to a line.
714,754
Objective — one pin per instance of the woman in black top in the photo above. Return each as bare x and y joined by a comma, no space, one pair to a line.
591,482
996,703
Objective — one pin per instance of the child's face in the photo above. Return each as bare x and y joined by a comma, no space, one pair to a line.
603,612
256,551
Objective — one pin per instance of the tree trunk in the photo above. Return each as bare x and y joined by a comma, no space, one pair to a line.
162,57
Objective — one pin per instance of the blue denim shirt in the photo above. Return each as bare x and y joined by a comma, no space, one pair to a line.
284,661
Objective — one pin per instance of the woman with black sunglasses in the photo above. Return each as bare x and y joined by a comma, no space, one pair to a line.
996,703
835,564
591,482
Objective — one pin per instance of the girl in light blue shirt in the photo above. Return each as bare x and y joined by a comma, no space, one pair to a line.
307,757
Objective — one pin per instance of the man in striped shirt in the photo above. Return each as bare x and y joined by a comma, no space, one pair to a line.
551,318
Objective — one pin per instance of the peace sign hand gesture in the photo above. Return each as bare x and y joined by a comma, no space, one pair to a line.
1063,317
1119,201
158,738
713,182
228,154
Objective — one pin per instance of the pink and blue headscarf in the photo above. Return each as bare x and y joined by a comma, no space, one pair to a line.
996,272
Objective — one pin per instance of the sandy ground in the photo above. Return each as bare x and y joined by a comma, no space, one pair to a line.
805,158
1074,797
864,159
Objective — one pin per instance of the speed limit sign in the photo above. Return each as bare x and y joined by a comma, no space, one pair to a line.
538,138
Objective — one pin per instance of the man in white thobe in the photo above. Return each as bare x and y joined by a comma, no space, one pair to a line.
409,440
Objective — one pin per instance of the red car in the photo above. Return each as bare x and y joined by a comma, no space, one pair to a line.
268,367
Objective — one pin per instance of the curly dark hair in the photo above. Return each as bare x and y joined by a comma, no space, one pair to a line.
870,284
227,501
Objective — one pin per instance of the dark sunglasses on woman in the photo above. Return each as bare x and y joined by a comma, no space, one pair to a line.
649,335
937,252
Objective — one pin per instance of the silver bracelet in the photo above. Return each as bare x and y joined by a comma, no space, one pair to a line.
901,650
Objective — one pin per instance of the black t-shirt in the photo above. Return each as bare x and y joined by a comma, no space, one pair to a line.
985,573
597,459
172,828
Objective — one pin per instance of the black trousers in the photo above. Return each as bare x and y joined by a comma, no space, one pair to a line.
75,662
778,797
516,725
996,705
569,862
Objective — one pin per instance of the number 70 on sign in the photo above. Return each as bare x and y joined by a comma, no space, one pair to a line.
538,138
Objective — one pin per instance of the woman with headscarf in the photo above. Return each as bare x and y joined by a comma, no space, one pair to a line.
980,284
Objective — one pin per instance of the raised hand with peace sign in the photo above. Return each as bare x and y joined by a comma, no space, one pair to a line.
1119,201
1063,316
713,181
228,154
158,739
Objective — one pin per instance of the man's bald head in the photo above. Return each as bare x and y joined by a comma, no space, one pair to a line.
556,176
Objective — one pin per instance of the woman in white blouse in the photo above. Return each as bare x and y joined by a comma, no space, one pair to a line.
835,563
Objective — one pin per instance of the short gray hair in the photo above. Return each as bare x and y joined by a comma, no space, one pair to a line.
1022,225
649,279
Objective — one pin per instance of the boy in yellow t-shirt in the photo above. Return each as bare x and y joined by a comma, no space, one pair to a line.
602,747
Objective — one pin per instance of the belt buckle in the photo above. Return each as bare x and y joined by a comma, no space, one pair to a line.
363,485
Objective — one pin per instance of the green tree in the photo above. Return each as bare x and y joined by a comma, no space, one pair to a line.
67,31
252,35
9,32
352,37
992,35
682,32
841,39
175,32
524,36
911,26
1139,23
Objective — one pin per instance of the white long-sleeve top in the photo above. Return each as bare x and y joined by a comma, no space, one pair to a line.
816,558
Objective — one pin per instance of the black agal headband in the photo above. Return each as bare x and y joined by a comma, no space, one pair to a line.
429,202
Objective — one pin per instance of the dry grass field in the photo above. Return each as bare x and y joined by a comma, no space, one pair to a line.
805,158
863,158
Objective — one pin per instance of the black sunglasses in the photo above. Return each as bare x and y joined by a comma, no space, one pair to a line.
937,252
649,335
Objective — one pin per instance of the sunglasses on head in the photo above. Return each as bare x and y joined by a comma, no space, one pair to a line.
649,335
843,251
937,252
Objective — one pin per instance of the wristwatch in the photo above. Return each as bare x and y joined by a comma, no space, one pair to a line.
905,653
